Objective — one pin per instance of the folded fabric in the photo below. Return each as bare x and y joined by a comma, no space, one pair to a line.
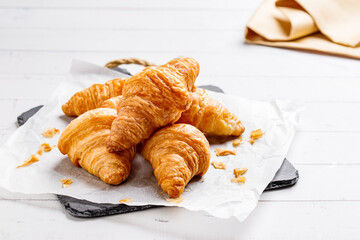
326,26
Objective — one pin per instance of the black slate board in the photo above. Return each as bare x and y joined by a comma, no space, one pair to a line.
286,176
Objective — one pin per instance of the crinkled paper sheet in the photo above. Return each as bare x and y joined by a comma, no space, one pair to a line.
213,193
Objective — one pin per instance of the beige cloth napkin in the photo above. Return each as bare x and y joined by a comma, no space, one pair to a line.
327,26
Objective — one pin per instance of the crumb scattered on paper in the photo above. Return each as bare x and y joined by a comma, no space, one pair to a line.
224,152
256,134
187,190
239,179
239,171
175,200
237,142
203,180
49,132
66,182
126,200
45,147
218,165
34,158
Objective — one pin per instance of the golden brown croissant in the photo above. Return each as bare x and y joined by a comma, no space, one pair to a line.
177,153
152,99
84,141
211,117
92,97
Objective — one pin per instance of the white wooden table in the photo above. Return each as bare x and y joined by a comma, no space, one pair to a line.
38,39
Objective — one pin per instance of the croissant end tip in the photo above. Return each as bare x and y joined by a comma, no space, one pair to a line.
174,188
114,177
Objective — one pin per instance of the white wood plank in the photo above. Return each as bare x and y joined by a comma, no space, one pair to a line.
330,117
306,220
296,88
325,148
321,183
299,220
25,87
300,89
123,19
134,4
269,62
119,40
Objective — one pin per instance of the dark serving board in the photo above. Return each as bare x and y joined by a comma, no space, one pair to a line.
286,176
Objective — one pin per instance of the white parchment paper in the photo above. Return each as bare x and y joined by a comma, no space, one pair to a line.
213,193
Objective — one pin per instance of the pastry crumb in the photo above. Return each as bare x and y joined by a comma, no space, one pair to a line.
34,158
175,200
203,180
50,132
218,165
237,142
45,147
256,134
66,182
239,179
224,152
239,171
126,200
187,190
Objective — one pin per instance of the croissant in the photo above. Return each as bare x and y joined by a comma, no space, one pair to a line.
211,117
177,153
152,99
84,141
92,97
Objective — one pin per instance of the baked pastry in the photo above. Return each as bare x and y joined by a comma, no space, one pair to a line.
84,141
92,97
211,117
152,99
177,153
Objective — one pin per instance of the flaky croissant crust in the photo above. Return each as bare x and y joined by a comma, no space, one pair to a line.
84,141
177,153
211,117
168,84
92,97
